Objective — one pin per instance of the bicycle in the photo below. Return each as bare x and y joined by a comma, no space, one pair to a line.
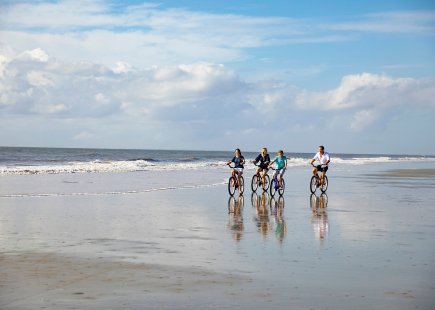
233,183
315,182
275,186
257,180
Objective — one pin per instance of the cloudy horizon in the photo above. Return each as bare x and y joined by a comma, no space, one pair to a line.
148,75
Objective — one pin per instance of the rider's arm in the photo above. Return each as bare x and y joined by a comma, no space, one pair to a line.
231,161
285,164
271,163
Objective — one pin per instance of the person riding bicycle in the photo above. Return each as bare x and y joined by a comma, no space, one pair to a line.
323,159
238,161
281,165
264,159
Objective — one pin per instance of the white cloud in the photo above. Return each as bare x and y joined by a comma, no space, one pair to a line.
362,119
84,135
392,22
192,92
194,102
367,91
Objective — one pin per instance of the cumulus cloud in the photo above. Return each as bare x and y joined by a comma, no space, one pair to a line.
202,101
365,91
33,82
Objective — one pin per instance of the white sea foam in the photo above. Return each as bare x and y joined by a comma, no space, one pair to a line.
143,165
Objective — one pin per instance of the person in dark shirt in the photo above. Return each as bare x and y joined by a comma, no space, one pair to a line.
263,159
238,161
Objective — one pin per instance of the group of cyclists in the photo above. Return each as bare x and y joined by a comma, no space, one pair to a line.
263,163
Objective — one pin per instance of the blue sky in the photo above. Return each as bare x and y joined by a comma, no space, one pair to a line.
356,76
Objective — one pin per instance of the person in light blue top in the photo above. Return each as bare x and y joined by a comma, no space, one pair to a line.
281,165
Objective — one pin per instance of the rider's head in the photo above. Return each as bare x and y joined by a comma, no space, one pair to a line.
237,152
264,151
280,152
321,149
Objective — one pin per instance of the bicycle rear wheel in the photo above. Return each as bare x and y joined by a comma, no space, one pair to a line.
266,182
254,183
324,186
313,184
231,185
282,187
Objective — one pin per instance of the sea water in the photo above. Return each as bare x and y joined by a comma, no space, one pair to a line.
65,171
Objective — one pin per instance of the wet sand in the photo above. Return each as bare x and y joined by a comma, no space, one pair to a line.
411,173
368,244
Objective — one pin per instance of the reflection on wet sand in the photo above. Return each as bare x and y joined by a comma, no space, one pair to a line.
277,210
235,214
319,218
265,221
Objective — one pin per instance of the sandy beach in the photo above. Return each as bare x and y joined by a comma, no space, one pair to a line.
368,244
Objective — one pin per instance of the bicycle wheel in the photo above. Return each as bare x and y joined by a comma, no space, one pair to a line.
254,183
282,187
266,182
313,184
232,185
242,185
324,186
273,187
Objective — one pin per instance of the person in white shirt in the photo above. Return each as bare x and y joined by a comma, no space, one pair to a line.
323,160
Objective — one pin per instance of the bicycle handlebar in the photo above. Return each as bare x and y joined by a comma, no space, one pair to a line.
277,169
315,166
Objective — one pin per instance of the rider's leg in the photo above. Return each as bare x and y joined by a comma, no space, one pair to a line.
322,177
239,175
314,171
263,177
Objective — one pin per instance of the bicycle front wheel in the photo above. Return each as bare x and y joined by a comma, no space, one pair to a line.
313,184
254,183
324,186
242,185
273,186
231,185
282,187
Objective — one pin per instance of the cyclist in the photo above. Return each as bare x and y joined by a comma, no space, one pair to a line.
281,165
238,161
264,159
323,159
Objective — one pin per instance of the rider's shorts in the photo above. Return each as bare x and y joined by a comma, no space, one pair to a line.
238,170
322,169
280,171
263,166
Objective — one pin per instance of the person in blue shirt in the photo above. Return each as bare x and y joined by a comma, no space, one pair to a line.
264,159
281,165
238,161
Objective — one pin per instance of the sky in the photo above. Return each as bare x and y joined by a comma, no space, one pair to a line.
355,76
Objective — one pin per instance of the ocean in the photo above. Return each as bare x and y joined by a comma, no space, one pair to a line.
26,160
